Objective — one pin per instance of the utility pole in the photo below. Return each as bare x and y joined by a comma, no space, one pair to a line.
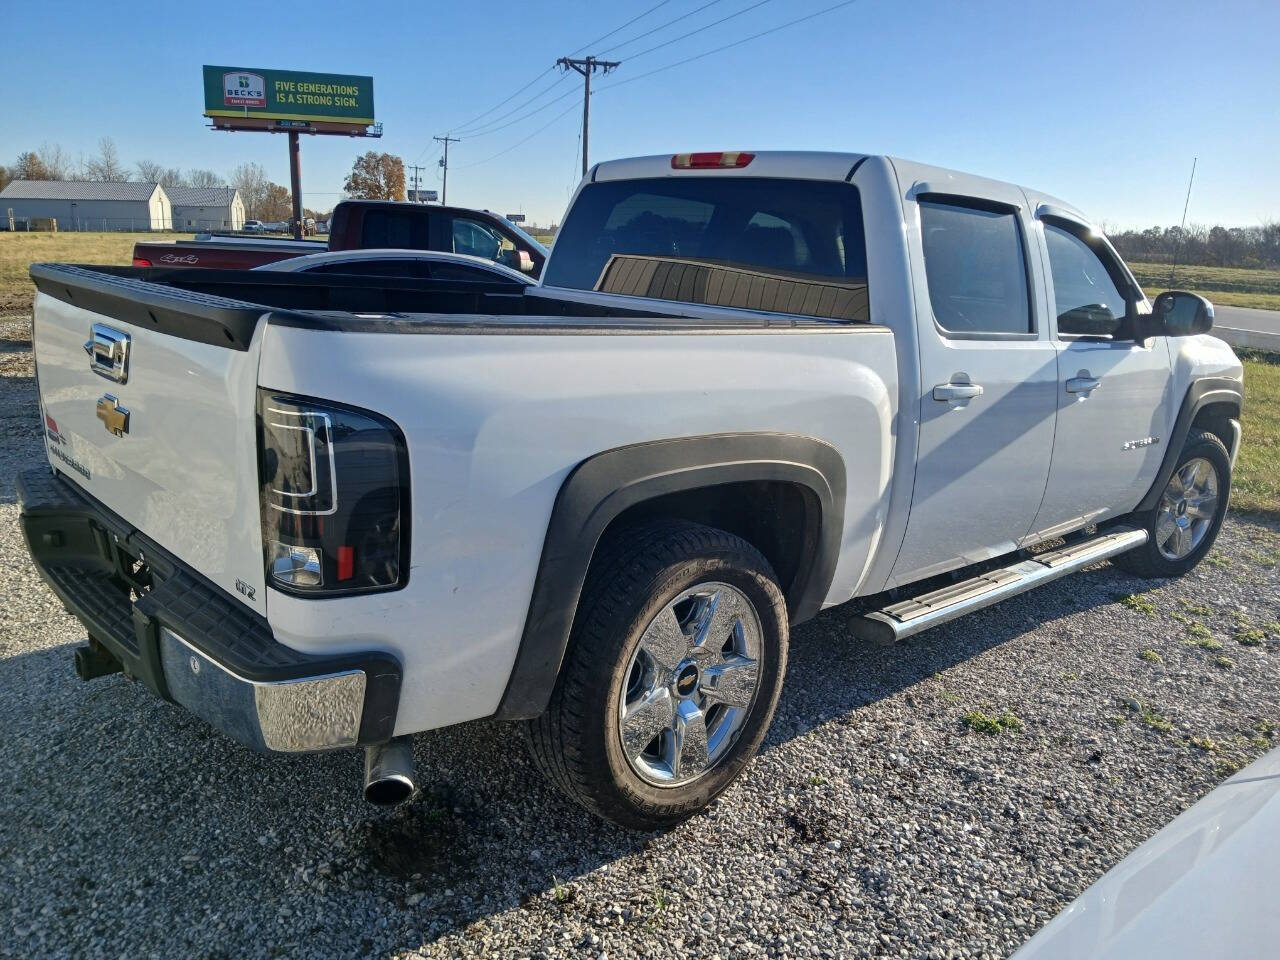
587,67
416,179
444,162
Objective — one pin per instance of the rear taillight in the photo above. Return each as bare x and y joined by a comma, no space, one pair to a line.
334,486
141,262
725,160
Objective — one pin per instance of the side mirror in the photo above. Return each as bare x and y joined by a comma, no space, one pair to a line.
1179,313
524,262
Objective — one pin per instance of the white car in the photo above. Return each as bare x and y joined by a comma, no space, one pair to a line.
1200,889
748,386
408,264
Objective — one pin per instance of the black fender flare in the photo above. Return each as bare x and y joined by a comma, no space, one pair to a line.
602,487
1201,393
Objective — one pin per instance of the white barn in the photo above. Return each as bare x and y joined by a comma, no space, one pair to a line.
87,205
206,208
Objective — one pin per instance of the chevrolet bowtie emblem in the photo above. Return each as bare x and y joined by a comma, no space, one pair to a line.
113,416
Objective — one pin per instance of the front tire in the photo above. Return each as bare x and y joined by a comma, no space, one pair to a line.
671,677
1186,520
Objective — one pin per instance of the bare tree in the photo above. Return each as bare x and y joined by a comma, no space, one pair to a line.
204,178
151,172
6,175
30,167
56,161
106,166
251,180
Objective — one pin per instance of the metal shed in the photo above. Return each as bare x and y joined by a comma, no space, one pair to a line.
206,208
86,205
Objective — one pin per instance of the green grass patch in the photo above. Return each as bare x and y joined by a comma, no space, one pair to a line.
1151,656
980,722
1207,744
1255,484
1251,638
1225,663
1136,603
1155,721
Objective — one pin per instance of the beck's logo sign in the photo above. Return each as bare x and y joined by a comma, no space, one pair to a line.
243,90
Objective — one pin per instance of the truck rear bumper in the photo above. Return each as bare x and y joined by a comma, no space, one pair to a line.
193,644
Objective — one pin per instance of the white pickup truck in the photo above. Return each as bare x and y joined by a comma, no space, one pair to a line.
327,511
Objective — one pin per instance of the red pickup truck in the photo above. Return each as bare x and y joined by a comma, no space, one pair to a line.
364,225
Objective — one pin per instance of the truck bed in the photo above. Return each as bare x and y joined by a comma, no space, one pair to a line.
223,307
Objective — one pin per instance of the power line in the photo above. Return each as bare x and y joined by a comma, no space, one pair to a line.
477,131
519,90
462,127
727,46
520,143
669,66
535,111
662,26
685,36
640,16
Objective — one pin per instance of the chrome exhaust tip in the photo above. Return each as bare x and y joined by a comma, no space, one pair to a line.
388,772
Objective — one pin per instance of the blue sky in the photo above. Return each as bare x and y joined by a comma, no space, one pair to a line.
1101,103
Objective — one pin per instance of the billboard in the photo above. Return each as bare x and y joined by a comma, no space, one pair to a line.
287,95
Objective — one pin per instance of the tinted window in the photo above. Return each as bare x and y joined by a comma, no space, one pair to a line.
785,246
457,271
415,269
1087,301
478,239
973,260
392,229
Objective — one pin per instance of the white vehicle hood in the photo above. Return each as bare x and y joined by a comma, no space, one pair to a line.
1202,888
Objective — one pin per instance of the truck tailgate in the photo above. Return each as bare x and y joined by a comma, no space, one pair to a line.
159,429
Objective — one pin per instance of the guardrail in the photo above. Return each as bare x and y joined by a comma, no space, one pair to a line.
1253,339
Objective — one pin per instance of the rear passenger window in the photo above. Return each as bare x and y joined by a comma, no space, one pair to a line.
388,229
1087,301
976,271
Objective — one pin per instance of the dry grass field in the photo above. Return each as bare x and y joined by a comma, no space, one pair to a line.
19,250
1229,286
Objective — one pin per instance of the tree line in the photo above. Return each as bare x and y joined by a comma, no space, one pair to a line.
374,176
1201,246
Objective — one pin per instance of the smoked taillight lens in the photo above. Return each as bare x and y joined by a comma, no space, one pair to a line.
334,489
141,262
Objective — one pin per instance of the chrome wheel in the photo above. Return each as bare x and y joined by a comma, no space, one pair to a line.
1187,508
690,685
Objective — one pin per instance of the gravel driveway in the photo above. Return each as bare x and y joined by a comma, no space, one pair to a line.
877,822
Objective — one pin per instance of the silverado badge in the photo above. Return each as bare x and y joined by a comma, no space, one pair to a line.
113,416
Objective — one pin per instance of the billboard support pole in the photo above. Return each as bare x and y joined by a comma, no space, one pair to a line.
295,182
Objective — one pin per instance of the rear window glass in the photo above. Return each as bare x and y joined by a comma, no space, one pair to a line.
784,246
387,229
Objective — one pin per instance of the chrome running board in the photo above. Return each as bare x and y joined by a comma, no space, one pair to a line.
909,617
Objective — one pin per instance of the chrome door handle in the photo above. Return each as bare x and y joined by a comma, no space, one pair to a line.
1082,384
947,392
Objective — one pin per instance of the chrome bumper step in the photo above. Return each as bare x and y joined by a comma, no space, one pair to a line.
909,617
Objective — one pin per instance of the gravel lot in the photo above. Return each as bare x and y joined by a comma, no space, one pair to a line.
875,823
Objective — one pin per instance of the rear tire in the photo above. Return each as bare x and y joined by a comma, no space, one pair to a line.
681,632
1185,522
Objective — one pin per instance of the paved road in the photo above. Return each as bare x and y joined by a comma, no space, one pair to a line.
1246,318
